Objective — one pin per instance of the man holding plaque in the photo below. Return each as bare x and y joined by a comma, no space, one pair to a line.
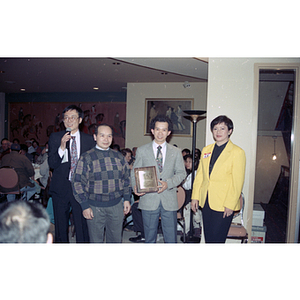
168,165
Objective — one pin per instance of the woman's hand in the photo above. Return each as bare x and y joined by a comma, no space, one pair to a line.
228,212
194,205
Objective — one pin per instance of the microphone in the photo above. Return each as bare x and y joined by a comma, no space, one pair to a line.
68,142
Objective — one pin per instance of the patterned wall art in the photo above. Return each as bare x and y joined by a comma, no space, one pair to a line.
39,119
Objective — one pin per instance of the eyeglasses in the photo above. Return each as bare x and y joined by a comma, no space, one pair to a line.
72,118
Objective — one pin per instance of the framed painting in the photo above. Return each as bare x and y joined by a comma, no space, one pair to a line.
173,108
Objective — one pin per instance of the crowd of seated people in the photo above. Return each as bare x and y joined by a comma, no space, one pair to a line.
31,164
36,155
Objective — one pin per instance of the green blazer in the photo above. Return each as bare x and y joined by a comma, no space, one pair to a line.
225,183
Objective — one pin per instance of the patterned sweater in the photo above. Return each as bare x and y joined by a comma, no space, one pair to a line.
101,178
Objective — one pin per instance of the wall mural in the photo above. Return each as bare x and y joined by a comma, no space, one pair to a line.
39,119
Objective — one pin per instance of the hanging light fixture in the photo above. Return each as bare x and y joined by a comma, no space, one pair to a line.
274,156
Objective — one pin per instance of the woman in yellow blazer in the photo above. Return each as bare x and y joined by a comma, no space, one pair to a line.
219,181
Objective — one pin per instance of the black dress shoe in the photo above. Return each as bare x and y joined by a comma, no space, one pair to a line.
137,239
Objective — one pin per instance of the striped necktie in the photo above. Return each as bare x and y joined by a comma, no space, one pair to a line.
74,157
159,159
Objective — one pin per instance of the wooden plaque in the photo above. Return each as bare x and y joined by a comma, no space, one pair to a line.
146,179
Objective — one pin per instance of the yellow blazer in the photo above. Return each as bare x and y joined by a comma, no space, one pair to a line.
225,183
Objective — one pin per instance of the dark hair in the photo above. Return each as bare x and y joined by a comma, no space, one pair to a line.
24,147
116,147
35,141
73,107
23,222
186,150
4,139
103,124
219,120
196,164
125,151
161,118
198,153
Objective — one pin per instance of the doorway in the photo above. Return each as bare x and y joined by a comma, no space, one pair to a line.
275,187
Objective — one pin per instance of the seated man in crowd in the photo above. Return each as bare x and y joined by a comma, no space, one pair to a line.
127,153
4,149
24,151
25,170
24,222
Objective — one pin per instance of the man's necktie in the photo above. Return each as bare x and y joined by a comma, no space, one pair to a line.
159,159
74,157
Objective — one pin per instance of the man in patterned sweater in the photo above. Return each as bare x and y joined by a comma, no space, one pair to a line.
100,182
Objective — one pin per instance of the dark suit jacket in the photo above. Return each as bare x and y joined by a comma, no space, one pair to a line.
60,177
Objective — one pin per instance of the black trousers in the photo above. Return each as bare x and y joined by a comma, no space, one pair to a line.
215,226
137,218
61,209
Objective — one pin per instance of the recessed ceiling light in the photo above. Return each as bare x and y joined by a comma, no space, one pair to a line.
95,88
22,90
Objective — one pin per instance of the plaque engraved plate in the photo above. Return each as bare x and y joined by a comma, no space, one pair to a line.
146,179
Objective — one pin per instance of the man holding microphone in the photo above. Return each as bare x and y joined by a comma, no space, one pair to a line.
65,148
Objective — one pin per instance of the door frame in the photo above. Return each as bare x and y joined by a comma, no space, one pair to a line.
294,196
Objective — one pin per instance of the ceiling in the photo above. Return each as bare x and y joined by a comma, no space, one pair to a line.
46,75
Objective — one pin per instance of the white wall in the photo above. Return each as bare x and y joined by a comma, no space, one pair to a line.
135,116
231,91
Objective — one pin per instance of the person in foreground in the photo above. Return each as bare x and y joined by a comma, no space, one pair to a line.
100,182
24,222
219,181
170,171
24,169
65,148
